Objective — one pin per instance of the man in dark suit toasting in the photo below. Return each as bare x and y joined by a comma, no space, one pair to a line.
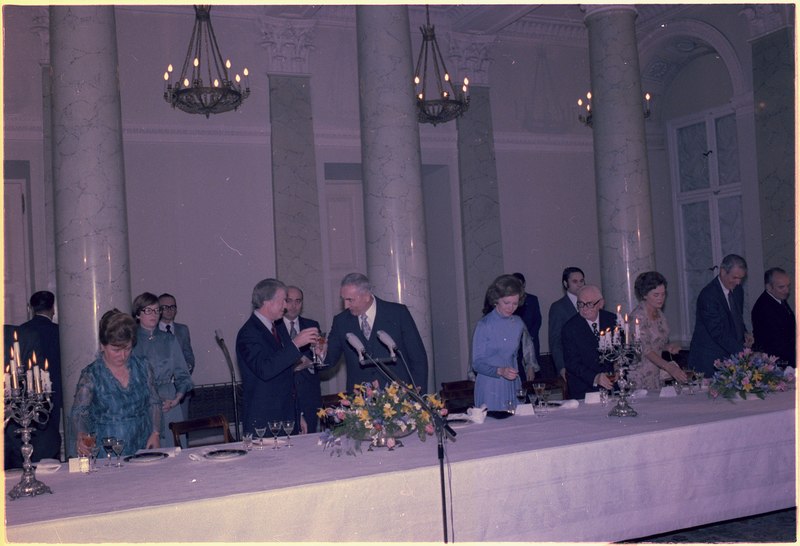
364,316
580,337
719,328
267,357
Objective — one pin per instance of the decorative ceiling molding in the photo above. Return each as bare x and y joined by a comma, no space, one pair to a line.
765,19
469,55
288,42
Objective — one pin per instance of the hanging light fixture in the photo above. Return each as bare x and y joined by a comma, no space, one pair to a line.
214,94
585,108
438,101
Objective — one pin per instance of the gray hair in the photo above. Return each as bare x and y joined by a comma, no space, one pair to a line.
733,260
265,290
358,280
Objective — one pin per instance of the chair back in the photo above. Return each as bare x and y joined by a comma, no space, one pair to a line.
215,422
458,396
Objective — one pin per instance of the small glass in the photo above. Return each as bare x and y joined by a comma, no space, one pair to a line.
108,446
260,432
604,395
275,428
288,427
247,441
118,447
539,389
319,360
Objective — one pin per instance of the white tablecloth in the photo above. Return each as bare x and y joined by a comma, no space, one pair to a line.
572,475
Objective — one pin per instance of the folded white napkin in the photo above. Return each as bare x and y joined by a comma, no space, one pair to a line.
476,415
170,451
524,409
47,466
569,404
592,398
668,391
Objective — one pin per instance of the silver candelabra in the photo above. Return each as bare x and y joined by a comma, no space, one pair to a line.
27,407
624,356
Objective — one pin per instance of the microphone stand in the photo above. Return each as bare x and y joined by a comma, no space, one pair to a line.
221,343
440,425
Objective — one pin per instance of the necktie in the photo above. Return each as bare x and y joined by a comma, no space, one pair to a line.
785,305
738,322
293,331
275,333
365,328
169,328
595,331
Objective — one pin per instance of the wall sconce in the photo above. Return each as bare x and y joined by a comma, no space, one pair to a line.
585,108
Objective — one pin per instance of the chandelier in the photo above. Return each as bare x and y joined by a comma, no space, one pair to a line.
215,93
586,117
430,75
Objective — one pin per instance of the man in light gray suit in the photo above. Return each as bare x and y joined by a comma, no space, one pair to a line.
169,308
572,280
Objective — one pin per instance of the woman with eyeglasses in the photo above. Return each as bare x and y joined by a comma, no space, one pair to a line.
164,354
651,291
116,394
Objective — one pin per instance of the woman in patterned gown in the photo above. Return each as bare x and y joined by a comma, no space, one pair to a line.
116,394
651,291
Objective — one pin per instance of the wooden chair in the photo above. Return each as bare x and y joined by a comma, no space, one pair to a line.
215,422
458,396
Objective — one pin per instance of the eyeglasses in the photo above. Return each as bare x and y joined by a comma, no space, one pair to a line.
150,311
169,307
587,304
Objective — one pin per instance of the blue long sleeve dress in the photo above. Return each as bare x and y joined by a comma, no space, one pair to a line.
494,345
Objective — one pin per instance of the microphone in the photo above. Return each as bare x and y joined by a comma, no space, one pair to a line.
387,340
356,344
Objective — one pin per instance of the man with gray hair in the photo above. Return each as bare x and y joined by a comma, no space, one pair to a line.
719,329
364,316
267,358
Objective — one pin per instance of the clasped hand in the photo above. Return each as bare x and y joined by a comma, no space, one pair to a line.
508,373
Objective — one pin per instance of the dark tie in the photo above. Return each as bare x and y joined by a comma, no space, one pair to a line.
293,331
275,333
365,328
738,322
785,305
595,331
169,329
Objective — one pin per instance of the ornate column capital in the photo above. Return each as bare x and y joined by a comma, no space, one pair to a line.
469,56
764,19
591,10
288,43
41,26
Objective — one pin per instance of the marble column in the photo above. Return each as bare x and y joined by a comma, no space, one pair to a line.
89,184
625,229
298,241
773,86
397,263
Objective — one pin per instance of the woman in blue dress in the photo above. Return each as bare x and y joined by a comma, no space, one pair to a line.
163,352
116,394
495,344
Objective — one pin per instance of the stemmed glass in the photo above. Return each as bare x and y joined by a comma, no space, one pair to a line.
118,446
108,446
539,390
321,342
288,427
260,431
522,394
275,428
94,450
545,399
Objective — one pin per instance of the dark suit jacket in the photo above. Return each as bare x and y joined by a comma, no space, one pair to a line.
714,330
531,315
394,319
580,353
181,332
774,328
560,312
308,393
266,370
39,334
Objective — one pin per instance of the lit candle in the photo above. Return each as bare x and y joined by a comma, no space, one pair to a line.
14,381
7,382
13,363
48,385
37,375
619,315
636,331
17,353
29,378
627,329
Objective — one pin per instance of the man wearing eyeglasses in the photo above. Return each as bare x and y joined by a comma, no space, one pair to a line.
580,338
169,308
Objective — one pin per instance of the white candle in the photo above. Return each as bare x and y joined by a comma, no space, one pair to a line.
29,378
627,329
636,331
48,386
619,315
7,382
14,381
17,353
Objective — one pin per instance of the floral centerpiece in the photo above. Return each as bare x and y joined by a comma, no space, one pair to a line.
747,373
377,414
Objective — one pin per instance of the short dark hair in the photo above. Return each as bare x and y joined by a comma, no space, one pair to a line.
647,281
769,273
167,295
358,280
569,271
502,286
117,329
520,276
141,301
293,287
42,300
264,291
733,260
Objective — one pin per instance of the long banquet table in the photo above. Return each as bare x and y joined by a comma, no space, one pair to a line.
570,475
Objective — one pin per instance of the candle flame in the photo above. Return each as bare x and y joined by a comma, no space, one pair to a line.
15,336
12,352
46,365
34,358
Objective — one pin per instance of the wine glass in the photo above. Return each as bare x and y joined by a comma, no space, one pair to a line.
108,446
321,342
275,428
604,396
87,440
288,427
522,394
691,378
545,398
118,446
260,431
94,451
538,389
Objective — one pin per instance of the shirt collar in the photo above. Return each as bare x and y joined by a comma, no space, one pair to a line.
264,320
573,298
371,312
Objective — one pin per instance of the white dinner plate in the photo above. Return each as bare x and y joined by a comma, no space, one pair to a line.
146,457
224,454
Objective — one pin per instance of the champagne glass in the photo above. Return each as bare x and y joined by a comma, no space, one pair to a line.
94,451
260,431
108,446
118,446
288,426
538,389
545,398
275,428
321,343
